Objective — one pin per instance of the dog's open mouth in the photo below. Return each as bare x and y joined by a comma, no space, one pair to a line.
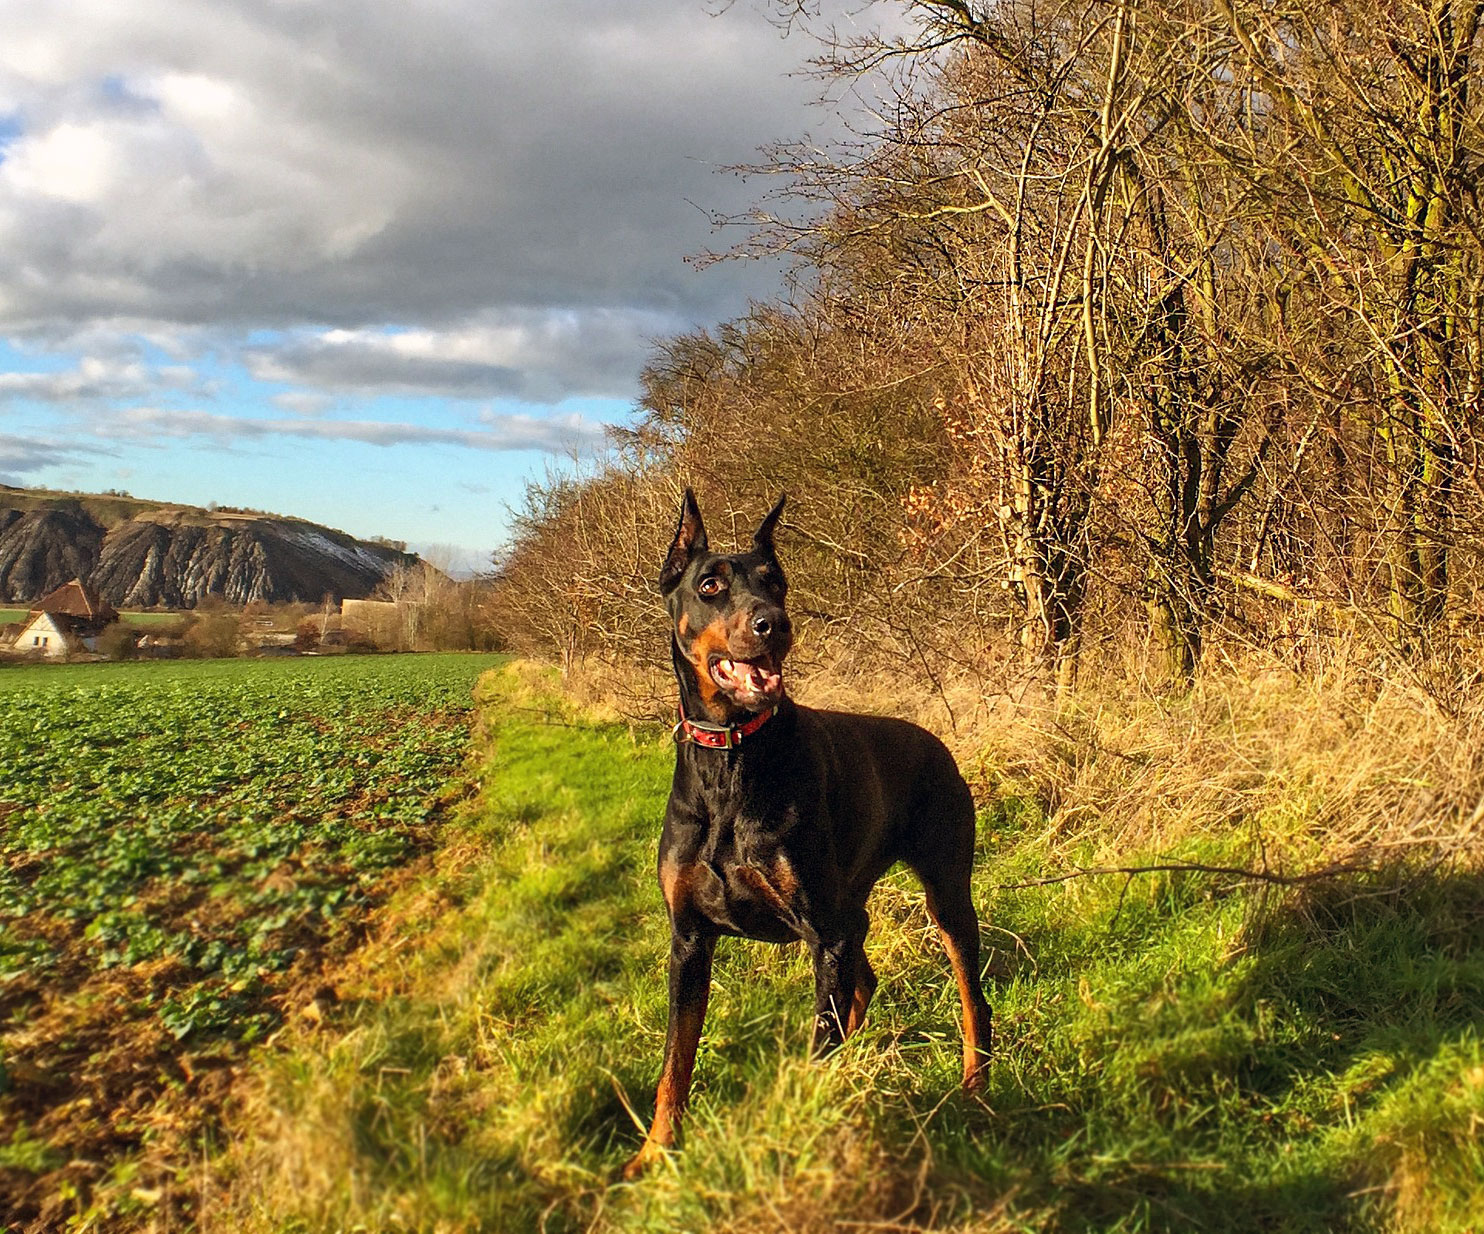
752,683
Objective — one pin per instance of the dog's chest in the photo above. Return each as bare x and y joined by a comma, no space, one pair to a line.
745,889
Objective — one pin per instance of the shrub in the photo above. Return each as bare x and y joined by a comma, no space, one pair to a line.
213,635
118,642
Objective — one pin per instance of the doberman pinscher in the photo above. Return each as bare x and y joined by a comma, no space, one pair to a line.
782,818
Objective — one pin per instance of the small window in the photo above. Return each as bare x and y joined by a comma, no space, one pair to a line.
36,642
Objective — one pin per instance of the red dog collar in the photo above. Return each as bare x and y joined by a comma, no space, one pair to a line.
719,736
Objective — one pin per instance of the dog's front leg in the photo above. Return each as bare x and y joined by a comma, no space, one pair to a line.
834,989
690,987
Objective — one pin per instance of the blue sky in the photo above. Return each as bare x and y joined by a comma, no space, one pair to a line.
365,263
437,471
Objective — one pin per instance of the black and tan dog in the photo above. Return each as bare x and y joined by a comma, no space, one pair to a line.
782,818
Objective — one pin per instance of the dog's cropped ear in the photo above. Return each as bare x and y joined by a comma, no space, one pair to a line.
690,539
762,538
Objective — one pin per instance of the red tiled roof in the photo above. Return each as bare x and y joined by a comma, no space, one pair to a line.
76,599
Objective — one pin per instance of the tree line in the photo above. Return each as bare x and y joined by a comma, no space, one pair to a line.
1147,323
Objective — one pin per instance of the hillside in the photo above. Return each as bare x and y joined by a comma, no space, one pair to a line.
147,554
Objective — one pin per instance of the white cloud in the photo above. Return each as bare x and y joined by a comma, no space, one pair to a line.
96,378
197,97
304,402
541,356
71,162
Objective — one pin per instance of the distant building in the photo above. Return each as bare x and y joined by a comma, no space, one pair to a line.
77,599
49,635
377,621
64,622
160,646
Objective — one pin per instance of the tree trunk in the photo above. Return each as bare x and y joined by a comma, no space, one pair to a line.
1174,640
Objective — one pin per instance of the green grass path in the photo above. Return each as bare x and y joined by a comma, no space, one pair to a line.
1174,1054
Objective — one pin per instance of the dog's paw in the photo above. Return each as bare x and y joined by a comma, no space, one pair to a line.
976,1071
641,1162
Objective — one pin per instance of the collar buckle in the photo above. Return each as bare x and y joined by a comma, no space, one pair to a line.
717,736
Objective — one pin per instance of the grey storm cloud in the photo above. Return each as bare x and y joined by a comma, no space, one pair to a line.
365,369
566,433
360,165
22,455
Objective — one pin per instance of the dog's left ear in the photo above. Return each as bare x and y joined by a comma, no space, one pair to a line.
762,538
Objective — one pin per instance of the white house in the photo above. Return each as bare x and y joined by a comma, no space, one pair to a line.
63,622
46,635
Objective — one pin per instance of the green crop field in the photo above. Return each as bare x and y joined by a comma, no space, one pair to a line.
182,846
151,619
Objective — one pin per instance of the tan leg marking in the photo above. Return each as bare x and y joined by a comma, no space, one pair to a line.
673,1091
974,1027
777,886
858,1006
675,883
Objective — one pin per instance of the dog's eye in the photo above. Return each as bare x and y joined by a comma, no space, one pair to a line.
711,585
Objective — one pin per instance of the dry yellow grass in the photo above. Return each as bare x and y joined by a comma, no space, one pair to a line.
1323,765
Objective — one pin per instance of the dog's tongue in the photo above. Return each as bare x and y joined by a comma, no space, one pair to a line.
752,680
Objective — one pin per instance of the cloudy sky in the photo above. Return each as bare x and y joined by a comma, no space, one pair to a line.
363,261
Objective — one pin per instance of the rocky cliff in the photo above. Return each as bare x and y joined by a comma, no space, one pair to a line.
146,555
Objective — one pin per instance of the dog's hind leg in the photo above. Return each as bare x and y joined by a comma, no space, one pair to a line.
865,986
958,924
944,867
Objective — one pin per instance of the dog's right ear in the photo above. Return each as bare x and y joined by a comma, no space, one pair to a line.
690,539
762,538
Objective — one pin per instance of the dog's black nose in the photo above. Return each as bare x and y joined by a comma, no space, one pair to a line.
762,625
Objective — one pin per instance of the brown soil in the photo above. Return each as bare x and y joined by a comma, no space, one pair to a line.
126,1111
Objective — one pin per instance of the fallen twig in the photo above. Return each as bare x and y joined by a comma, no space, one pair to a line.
1256,876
